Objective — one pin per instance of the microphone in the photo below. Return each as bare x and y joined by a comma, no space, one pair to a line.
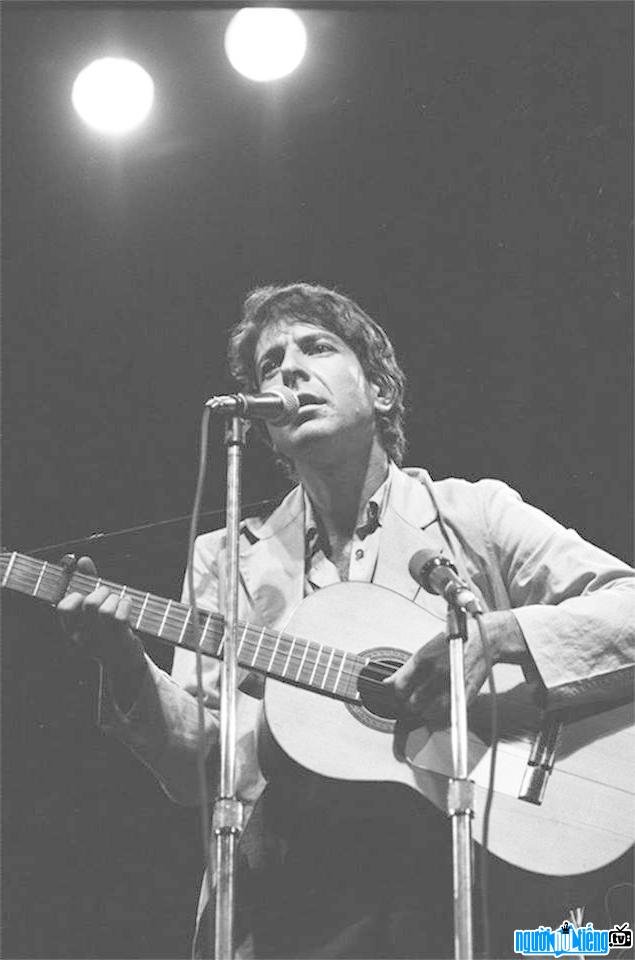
279,405
437,575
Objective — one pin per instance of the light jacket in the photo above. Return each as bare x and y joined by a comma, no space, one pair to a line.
574,603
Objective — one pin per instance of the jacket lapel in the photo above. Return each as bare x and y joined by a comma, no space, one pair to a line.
271,551
410,523
271,565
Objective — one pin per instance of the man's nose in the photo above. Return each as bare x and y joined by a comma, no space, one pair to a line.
293,367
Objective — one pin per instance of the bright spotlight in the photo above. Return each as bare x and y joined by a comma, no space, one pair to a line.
113,95
265,43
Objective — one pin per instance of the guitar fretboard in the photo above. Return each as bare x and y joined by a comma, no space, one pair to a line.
304,663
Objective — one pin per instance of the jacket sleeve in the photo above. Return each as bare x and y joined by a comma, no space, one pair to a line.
162,726
575,603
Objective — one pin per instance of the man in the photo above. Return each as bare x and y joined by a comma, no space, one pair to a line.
330,869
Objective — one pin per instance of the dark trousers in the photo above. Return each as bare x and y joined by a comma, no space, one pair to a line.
367,874
359,871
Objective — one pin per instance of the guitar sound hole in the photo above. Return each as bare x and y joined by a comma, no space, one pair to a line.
376,698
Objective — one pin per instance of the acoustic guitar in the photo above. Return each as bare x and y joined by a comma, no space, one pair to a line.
563,790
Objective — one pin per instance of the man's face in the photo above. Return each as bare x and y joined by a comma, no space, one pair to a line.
337,404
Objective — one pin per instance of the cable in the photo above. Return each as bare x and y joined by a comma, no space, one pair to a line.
200,693
101,538
611,920
490,788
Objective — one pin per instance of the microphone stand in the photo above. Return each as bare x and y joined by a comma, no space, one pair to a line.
460,789
277,405
228,810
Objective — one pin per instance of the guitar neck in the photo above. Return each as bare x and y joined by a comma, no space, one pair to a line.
304,663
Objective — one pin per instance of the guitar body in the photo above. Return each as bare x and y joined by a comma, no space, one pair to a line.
583,818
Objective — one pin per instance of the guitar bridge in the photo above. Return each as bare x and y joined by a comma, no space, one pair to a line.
541,761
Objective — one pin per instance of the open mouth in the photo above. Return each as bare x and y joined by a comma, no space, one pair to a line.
309,400
308,405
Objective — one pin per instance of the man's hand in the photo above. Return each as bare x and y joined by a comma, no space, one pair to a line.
422,685
98,624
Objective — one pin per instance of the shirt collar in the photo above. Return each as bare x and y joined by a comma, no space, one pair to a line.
375,510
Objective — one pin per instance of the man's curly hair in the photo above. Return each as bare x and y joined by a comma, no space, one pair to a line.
311,303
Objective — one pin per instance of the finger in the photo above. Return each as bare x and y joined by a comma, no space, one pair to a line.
102,625
474,681
94,601
107,609
70,604
419,683
86,565
436,712
433,711
111,623
475,668
411,673
69,613
124,607
416,702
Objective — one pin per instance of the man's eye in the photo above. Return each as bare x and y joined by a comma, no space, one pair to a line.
321,347
267,368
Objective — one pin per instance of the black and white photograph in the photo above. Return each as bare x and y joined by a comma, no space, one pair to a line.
318,606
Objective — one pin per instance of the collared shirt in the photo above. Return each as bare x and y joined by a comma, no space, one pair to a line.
322,572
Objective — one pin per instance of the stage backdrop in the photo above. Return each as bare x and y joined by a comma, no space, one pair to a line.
462,169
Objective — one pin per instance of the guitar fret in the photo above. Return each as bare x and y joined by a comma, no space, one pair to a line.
315,666
328,667
339,673
142,611
39,579
165,616
184,627
286,662
7,572
306,650
273,655
97,584
256,651
242,639
318,667
221,645
349,677
201,642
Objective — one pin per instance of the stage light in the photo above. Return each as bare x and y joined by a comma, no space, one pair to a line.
265,43
113,95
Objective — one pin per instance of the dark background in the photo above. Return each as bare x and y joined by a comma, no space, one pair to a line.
463,170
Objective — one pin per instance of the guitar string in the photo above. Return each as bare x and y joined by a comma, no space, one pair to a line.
177,619
155,607
369,672
373,672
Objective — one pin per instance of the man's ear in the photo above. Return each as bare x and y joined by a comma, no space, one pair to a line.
383,397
